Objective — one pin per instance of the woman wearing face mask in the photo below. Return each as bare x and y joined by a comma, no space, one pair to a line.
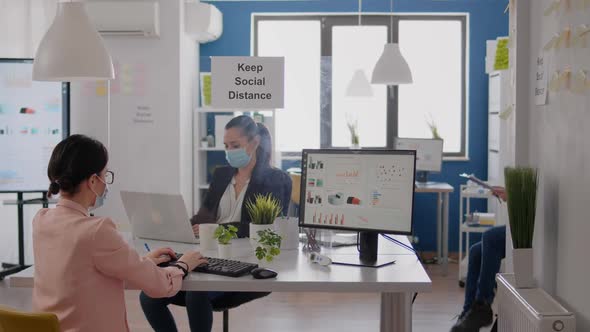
81,262
248,151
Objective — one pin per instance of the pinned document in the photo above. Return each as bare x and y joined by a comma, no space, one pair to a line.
552,8
579,82
552,42
541,82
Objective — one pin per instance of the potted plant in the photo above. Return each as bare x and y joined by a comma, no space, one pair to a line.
433,128
521,192
269,245
263,211
288,229
224,235
354,134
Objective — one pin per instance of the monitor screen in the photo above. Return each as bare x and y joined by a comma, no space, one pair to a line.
358,190
429,152
33,119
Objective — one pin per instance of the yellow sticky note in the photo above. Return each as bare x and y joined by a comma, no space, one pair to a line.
101,88
101,91
502,55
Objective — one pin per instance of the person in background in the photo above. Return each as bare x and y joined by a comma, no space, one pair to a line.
81,261
248,151
485,258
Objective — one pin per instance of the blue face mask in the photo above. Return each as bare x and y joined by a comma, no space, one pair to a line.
237,158
100,199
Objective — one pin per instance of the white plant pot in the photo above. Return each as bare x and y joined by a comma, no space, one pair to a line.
254,228
224,251
288,229
523,267
206,237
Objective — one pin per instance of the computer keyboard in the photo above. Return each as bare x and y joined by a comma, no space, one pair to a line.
222,267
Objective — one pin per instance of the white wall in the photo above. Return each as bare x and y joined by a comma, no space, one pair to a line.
22,25
145,157
155,76
558,146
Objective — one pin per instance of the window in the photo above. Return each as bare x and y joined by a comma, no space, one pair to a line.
353,48
323,51
299,42
433,49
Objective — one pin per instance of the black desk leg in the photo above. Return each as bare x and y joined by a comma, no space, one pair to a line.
21,231
9,269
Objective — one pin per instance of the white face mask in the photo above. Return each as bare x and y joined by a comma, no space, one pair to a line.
100,199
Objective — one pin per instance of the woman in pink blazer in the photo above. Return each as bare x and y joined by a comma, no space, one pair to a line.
81,262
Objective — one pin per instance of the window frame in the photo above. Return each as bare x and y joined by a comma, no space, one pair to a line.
330,20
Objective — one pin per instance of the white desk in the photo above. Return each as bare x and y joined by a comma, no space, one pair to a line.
442,218
396,283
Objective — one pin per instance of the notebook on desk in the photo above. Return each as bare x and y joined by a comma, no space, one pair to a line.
158,217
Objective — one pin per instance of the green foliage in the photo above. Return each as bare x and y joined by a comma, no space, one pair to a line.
353,129
269,245
224,234
521,191
433,128
264,210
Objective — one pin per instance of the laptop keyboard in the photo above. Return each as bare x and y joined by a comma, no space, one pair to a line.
222,267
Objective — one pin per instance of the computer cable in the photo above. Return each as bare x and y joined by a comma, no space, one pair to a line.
401,244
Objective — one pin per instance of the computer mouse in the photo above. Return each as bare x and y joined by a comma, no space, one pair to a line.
262,273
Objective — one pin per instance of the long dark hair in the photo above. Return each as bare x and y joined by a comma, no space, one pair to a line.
73,160
252,129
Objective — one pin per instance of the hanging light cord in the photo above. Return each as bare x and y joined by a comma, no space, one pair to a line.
360,10
391,22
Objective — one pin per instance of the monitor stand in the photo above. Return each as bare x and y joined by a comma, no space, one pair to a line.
368,257
422,179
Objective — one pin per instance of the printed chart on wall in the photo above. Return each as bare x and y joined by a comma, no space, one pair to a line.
362,191
31,124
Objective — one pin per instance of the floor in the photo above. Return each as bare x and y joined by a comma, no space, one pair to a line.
295,312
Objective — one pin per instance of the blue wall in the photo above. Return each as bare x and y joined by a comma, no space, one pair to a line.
486,21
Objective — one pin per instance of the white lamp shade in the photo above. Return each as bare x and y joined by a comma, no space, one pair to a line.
391,68
72,49
359,86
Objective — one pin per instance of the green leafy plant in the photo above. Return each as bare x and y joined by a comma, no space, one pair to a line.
433,128
264,210
353,129
269,245
224,234
521,192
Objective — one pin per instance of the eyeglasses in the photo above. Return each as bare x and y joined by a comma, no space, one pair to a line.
109,177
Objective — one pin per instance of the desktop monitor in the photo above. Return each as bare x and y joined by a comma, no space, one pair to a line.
429,153
367,191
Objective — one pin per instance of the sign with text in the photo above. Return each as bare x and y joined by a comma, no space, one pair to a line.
247,82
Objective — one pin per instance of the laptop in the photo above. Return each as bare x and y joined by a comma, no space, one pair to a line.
158,217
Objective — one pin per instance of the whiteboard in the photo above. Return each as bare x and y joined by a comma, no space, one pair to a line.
33,119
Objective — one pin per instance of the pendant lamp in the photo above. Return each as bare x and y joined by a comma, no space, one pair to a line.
72,49
391,68
359,85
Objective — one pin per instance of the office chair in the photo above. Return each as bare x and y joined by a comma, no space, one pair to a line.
15,321
295,192
230,301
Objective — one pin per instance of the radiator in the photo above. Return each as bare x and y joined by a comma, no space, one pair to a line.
530,310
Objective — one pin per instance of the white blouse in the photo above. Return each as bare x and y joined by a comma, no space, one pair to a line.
230,206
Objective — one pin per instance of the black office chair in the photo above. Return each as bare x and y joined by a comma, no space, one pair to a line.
233,300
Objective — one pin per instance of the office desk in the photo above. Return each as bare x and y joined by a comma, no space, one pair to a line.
396,283
443,191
